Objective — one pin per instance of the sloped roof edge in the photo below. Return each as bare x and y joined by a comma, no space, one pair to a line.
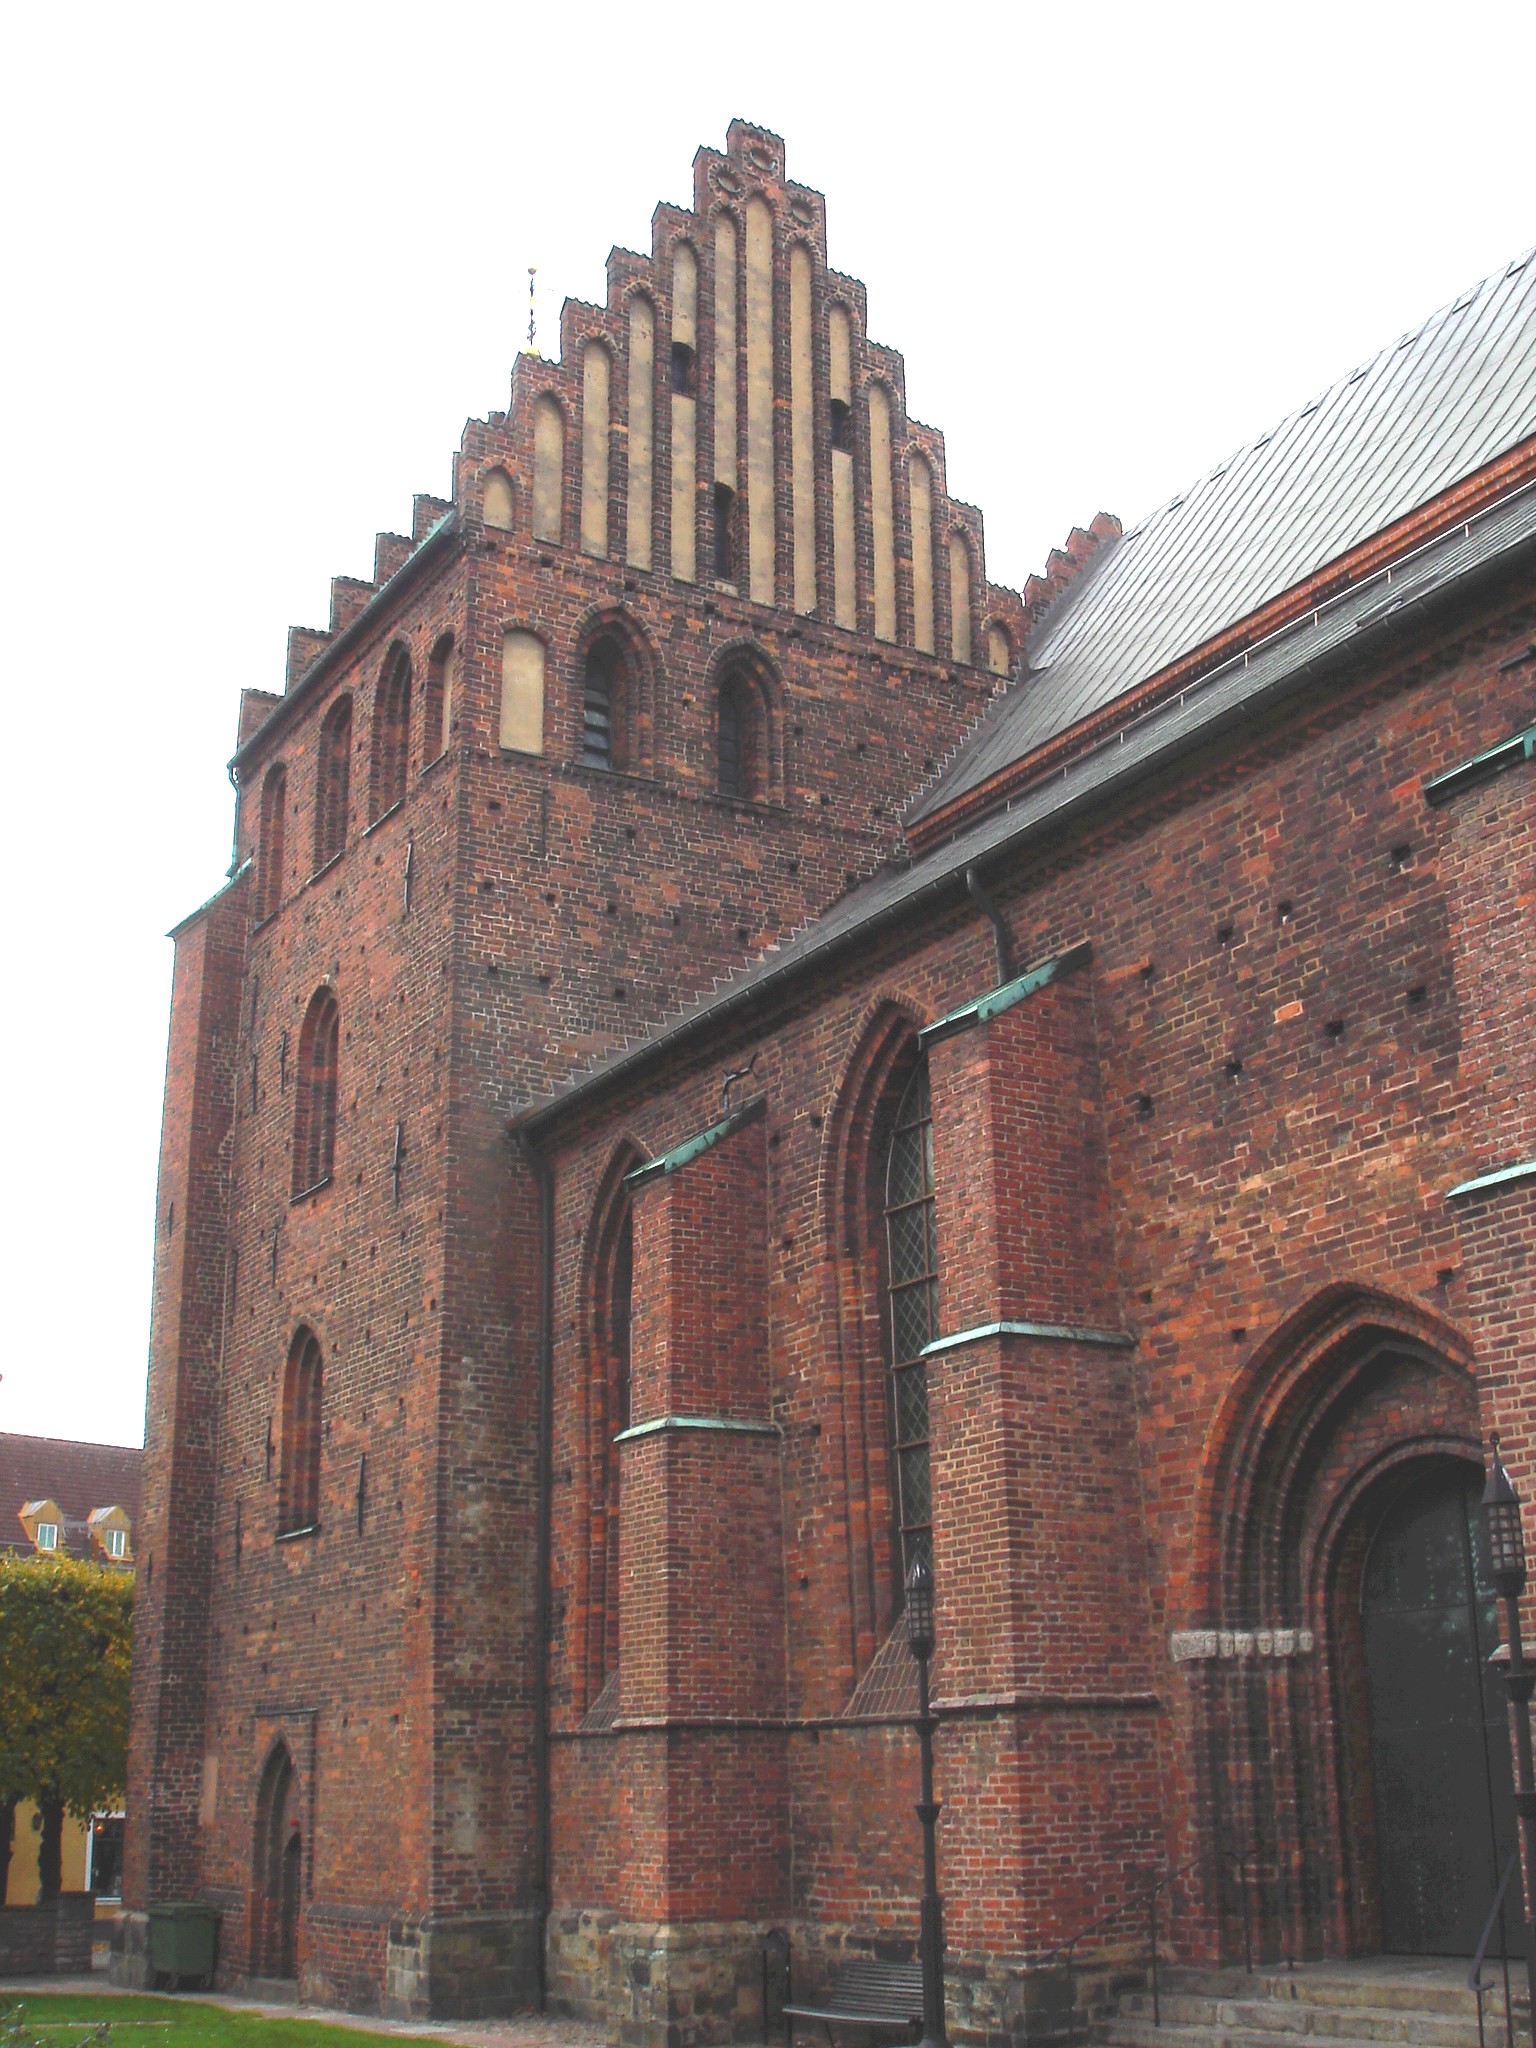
1351,624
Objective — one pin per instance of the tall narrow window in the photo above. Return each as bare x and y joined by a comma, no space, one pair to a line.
913,1291
548,469
730,739
725,533
314,1116
333,782
298,1505
619,1306
602,707
610,1278
959,597
437,712
741,738
391,735
269,851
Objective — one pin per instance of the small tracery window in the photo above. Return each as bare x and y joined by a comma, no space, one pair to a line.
299,1479
314,1125
333,782
913,1295
391,735
269,851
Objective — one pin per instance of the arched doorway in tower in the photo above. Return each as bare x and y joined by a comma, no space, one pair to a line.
279,1870
1438,1746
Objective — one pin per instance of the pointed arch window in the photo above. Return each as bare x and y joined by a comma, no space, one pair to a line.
269,850
391,735
437,711
314,1124
333,782
619,1305
610,1319
299,1477
742,738
912,1314
602,706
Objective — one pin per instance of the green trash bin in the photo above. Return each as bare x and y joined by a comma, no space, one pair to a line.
183,1938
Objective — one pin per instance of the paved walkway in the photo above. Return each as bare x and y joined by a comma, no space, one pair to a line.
527,2030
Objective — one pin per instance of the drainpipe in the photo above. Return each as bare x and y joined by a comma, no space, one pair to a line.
1000,936
543,1173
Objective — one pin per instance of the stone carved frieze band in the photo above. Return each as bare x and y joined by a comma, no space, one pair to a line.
1208,1645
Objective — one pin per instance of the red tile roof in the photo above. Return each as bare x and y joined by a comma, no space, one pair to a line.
79,1477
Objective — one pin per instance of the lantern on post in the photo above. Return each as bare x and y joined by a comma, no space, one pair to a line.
1506,1556
931,1939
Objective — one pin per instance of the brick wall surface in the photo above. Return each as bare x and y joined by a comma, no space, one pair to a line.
1175,1142
1202,1174
513,915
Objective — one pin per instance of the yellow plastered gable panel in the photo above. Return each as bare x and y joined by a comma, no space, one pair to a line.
43,1521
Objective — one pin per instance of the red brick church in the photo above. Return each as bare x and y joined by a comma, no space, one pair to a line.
737,1053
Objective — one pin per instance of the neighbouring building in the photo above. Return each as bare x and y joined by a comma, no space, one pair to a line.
737,1053
60,1497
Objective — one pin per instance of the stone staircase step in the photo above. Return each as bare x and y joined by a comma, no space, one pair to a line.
1312,2018
1140,2033
1384,1989
1383,2002
271,1990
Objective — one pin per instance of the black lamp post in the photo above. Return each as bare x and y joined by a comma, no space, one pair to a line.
931,1938
1506,1546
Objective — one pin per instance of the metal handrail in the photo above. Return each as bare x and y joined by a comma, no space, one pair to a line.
1475,1974
1066,1952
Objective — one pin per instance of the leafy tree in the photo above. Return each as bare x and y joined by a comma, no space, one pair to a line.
65,1636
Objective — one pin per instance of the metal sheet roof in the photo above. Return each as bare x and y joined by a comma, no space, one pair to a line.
1227,697
1437,405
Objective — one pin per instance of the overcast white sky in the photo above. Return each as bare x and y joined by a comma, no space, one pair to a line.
261,264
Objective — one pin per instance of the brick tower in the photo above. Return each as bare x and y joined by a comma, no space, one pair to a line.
641,697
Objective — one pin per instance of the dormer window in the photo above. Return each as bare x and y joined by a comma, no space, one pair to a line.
47,1535
115,1542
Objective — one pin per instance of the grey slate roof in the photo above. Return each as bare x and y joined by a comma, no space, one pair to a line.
1249,683
1438,404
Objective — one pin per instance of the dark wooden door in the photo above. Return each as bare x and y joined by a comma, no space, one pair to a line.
1439,1734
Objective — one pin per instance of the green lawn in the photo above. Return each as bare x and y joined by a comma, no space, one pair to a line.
55,2021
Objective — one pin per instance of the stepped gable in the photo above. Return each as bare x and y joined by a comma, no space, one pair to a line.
723,419
1372,459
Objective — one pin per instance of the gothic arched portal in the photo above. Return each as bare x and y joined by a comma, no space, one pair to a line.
278,1874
